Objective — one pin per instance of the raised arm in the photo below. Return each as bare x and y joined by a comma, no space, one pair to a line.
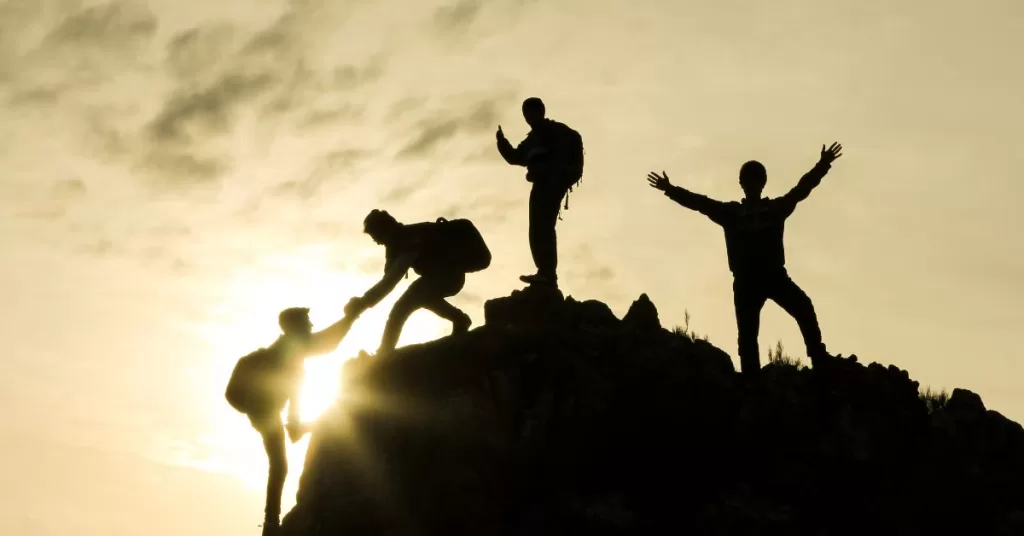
716,210
515,156
328,339
812,178
394,273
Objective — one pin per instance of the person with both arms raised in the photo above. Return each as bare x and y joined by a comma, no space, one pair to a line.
753,238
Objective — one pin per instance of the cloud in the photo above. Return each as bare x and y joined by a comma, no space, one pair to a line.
82,49
113,26
193,53
587,267
475,118
600,274
401,192
324,117
276,72
100,247
484,210
209,108
403,107
54,204
183,168
328,168
68,190
457,17
349,77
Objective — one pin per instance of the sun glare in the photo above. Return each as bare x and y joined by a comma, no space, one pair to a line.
246,318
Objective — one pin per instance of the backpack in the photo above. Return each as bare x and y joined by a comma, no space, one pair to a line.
254,384
572,160
573,148
450,246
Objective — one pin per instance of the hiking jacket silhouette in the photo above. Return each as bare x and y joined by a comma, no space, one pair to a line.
753,228
542,152
415,239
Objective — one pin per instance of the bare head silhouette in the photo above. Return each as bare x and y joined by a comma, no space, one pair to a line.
753,177
380,225
295,321
533,111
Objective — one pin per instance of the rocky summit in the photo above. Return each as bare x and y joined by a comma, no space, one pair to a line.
557,417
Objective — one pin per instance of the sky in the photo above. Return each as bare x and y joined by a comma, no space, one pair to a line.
173,173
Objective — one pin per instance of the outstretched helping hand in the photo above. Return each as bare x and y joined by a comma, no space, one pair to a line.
658,182
829,155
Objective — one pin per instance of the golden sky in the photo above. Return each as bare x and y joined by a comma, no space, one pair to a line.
174,172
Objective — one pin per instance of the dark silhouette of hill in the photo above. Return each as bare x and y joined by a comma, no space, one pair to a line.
556,417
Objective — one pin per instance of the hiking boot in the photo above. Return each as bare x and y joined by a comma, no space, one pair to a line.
538,279
822,358
461,324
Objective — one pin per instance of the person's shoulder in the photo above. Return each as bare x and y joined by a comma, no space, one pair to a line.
411,236
279,349
558,125
277,345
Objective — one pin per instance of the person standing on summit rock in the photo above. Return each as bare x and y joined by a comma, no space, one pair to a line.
553,156
753,239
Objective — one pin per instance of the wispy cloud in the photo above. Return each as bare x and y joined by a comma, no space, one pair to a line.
113,27
194,53
68,189
208,109
477,116
82,48
457,17
223,74
332,166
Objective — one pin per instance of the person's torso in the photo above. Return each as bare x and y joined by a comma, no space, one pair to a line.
288,355
754,236
417,239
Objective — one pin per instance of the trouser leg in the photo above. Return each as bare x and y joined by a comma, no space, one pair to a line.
426,292
272,432
544,205
438,305
792,299
748,299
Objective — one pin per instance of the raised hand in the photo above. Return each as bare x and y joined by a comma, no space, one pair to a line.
658,182
499,134
829,155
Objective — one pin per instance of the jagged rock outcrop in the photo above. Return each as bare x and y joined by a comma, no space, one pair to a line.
556,417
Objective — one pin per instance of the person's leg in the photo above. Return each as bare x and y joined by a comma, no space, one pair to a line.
272,431
414,298
544,205
748,299
445,287
792,299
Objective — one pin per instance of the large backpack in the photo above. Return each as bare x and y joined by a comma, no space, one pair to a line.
255,383
573,154
450,246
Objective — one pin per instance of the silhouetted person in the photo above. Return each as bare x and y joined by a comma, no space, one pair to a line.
270,378
753,239
441,252
553,156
